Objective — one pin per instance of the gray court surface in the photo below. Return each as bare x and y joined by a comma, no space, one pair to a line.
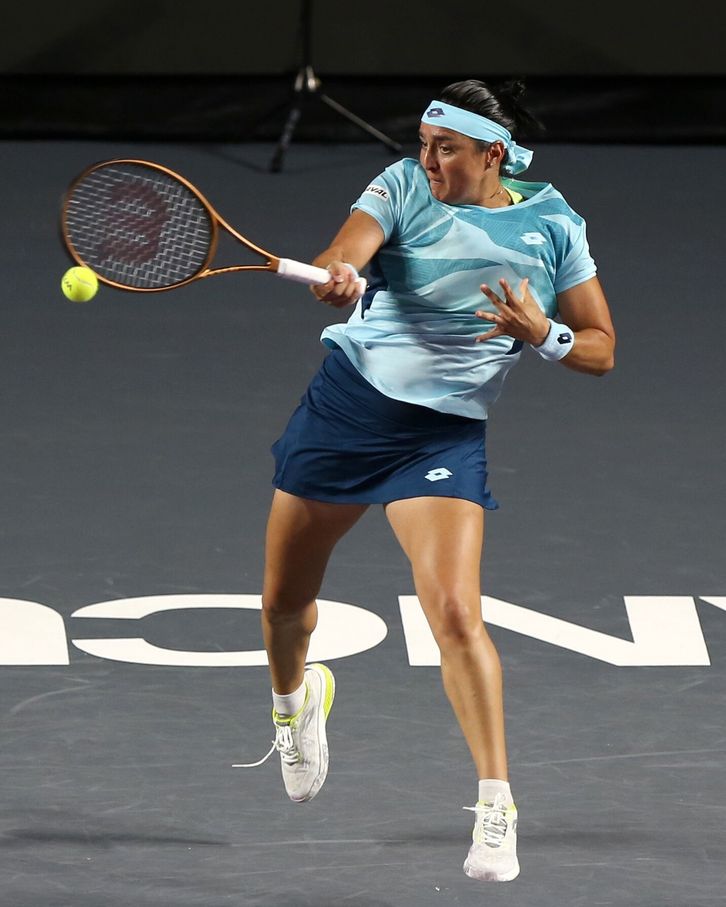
134,463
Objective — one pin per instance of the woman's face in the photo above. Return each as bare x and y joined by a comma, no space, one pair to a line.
455,166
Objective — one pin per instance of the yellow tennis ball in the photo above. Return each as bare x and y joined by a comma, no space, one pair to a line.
79,284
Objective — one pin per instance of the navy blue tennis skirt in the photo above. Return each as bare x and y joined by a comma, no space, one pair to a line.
348,443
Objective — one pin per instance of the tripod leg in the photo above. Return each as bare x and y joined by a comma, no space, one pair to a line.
293,118
366,127
278,110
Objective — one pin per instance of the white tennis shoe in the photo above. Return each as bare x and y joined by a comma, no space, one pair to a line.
300,739
493,853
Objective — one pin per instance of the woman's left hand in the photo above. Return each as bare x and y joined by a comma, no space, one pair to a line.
517,316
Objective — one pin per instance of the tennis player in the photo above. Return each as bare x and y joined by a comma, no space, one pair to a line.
467,267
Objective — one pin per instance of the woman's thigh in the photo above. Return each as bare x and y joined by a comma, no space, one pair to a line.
443,539
301,535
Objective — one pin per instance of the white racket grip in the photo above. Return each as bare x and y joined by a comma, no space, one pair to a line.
300,272
309,274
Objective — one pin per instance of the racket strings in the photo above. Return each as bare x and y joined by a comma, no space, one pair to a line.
138,227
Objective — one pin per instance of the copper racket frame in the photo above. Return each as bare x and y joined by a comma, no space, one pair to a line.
217,221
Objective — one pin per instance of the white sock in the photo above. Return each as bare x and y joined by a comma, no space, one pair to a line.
289,703
490,787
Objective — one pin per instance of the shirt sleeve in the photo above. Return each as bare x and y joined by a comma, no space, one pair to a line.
577,264
383,198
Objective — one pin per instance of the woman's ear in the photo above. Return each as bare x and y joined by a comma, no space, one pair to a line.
495,155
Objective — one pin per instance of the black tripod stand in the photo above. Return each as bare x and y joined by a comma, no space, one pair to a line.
308,84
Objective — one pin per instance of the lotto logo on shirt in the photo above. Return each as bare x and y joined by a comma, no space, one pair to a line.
373,189
533,239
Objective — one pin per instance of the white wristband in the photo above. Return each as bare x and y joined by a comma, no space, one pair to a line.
558,342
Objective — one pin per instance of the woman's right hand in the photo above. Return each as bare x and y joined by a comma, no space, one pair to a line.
344,288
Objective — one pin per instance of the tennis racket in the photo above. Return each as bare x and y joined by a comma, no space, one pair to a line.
140,226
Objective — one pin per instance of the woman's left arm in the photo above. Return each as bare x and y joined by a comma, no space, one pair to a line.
585,310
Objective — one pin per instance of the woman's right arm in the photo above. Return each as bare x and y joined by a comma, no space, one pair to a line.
357,241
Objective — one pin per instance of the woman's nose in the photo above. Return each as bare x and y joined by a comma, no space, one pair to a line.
430,162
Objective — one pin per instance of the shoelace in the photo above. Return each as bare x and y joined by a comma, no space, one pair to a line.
491,822
283,743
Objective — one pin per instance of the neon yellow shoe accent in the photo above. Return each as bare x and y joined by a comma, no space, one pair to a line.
329,687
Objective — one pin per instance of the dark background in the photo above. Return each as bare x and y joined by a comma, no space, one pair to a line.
621,71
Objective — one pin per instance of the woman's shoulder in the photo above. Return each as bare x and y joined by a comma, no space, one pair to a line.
398,180
405,165
406,169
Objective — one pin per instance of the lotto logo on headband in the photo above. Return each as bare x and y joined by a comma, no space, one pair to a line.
435,112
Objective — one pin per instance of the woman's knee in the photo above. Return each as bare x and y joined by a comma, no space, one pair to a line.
456,620
281,606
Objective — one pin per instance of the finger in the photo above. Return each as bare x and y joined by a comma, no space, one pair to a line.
492,296
341,290
321,290
490,336
347,293
340,272
352,282
509,293
340,295
356,290
511,297
486,316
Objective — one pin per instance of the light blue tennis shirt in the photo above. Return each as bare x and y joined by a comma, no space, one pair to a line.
412,334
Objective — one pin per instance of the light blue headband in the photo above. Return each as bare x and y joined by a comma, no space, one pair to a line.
478,127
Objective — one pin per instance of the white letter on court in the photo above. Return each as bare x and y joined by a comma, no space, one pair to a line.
666,631
31,634
342,630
